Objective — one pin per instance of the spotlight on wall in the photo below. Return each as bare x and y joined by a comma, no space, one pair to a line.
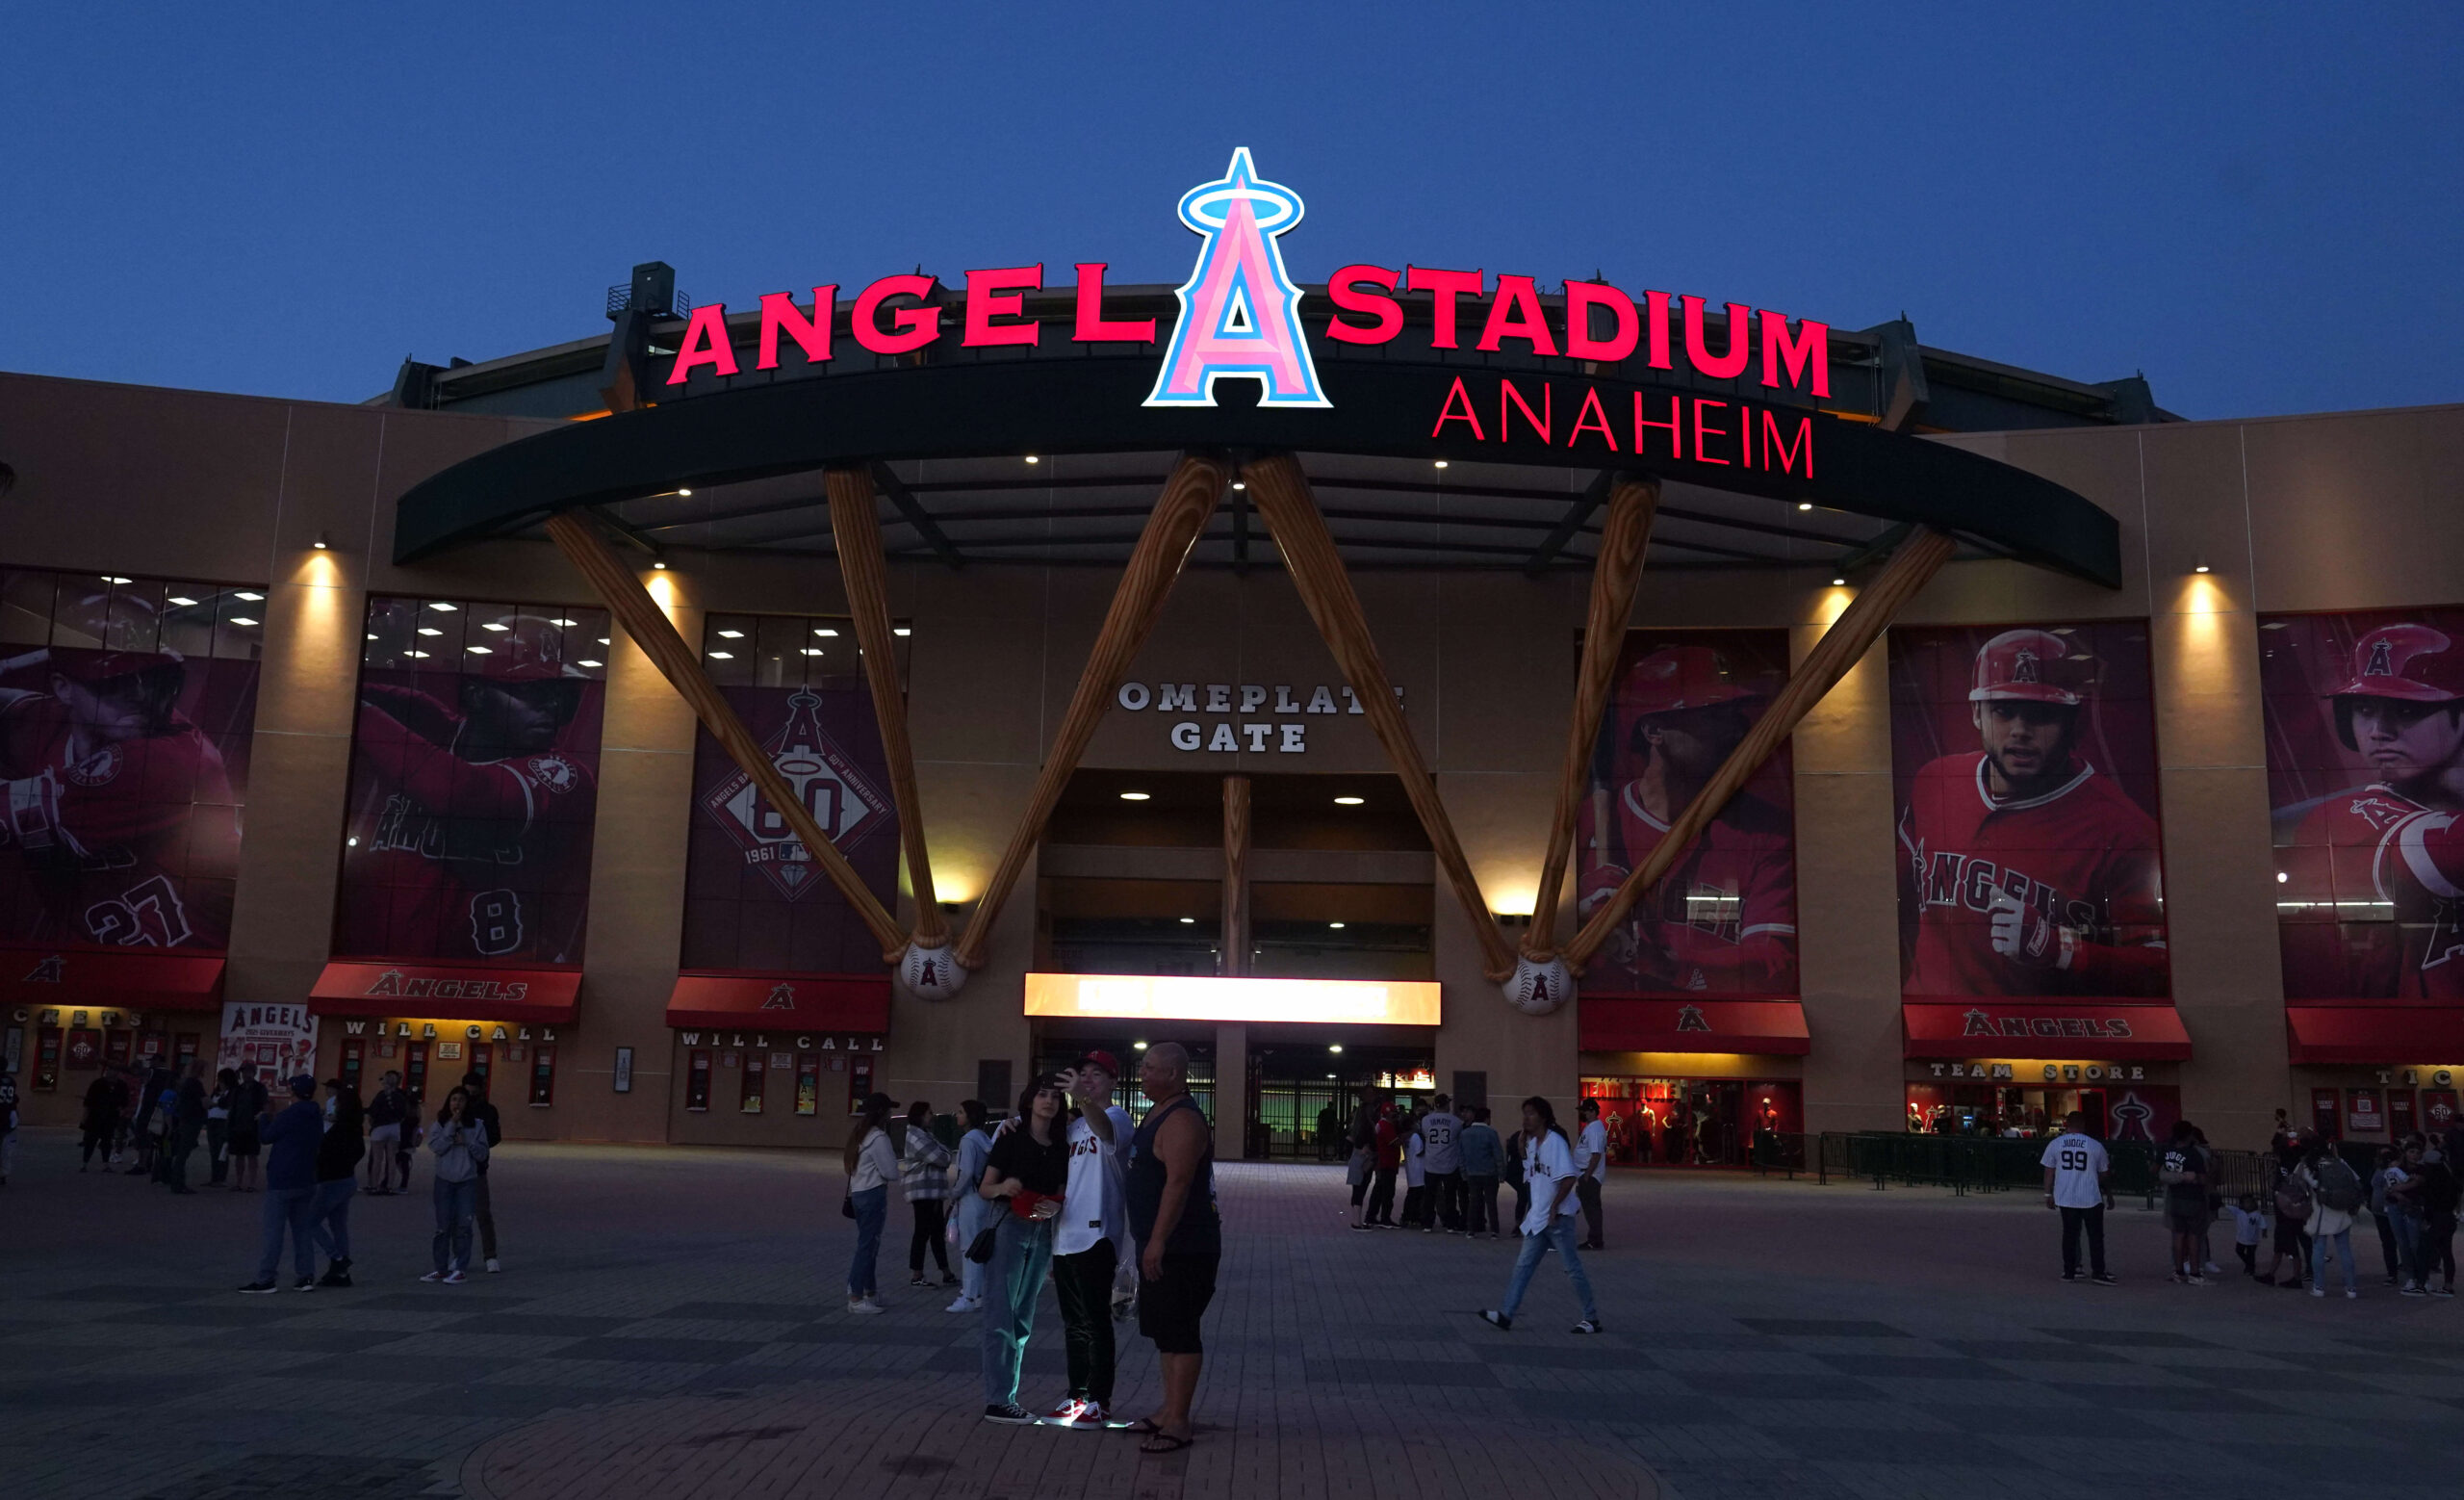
1805,505
1441,463
1032,459
1334,1047
321,543
2202,568
660,566
1839,582
1138,1047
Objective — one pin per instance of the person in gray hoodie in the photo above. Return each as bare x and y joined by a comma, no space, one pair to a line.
460,1143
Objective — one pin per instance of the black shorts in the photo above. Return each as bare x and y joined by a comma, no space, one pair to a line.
1170,1306
2288,1236
2186,1216
242,1145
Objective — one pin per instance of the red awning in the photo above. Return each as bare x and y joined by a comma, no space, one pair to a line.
1621,1023
2047,1029
2375,1033
781,1003
531,996
128,978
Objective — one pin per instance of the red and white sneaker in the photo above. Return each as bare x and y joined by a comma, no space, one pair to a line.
1063,1412
1090,1418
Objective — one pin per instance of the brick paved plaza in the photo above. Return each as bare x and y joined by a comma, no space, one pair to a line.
669,1323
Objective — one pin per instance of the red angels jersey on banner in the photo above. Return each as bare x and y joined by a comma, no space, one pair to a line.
108,837
2082,857
2416,865
1723,919
472,853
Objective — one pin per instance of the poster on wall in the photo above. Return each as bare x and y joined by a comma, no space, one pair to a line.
475,778
281,1039
126,707
2365,734
754,899
2023,762
1724,920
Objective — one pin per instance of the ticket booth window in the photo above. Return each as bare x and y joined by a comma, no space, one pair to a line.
118,1047
749,1090
697,1082
808,1083
415,1069
482,1063
859,1084
153,1047
354,1054
85,1047
47,1060
543,1076
184,1047
2325,1117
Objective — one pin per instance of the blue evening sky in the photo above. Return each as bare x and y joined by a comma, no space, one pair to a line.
2258,205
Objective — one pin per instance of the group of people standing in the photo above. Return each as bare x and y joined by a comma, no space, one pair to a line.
1067,1189
313,1156
2313,1199
1454,1166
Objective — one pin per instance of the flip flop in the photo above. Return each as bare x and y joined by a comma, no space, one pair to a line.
1143,1425
1164,1442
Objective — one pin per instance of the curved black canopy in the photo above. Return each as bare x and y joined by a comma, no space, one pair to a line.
1423,463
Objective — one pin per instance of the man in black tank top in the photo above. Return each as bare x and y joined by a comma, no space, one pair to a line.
1170,1191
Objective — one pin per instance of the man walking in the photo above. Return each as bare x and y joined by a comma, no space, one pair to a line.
1170,1191
388,1115
1088,1242
1482,1162
1441,1129
1591,1163
2078,1180
1548,1165
478,1111
292,1139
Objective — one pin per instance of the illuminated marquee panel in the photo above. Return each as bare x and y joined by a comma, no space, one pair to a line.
1408,1002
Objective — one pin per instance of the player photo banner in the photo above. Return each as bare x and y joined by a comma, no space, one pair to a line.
753,901
2365,730
1724,921
2023,759
126,707
474,778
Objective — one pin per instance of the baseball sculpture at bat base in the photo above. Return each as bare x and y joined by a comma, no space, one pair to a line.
930,973
1539,984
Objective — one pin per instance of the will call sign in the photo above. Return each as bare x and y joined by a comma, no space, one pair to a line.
1241,320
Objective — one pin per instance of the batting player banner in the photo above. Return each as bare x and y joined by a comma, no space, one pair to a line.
781,1003
475,778
753,901
1723,924
2024,758
2365,736
126,707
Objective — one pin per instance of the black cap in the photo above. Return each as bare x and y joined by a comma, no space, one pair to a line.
873,1101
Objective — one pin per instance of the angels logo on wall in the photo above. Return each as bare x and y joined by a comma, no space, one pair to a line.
841,799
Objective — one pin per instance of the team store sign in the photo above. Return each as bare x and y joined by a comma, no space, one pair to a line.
1241,320
1244,732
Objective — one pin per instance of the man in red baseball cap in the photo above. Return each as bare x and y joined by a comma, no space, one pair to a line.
2394,843
102,779
1724,919
2033,873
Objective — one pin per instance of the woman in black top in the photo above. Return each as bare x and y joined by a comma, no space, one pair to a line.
338,1156
1026,1173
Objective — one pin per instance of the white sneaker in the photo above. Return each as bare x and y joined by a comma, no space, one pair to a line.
494,1265
2211,1268
2349,1292
965,1305
2321,1291
864,1307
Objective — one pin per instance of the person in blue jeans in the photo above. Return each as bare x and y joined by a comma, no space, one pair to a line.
459,1142
1549,1167
871,1159
338,1178
291,1138
1026,1174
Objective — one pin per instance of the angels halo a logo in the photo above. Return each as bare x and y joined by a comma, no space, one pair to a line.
841,798
1240,311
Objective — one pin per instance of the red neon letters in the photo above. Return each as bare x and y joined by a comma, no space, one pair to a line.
1691,428
1093,326
916,327
779,315
1388,312
1000,294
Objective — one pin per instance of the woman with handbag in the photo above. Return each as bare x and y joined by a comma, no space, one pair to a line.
1024,1172
872,1166
975,1215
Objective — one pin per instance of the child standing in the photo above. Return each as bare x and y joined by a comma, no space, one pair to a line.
2250,1225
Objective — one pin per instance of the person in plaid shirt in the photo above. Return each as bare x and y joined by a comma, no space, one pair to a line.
924,1171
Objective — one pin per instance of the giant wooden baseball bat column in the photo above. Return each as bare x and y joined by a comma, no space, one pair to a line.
1916,561
1189,497
1281,493
1541,981
926,967
579,539
1232,950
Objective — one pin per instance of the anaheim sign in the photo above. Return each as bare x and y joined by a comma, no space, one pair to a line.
1241,320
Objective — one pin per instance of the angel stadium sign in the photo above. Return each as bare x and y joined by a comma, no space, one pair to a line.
1241,320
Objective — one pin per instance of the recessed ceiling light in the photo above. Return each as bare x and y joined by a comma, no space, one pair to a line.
2281,877
562,621
659,566
1349,802
812,651
110,578
1239,484
447,609
2202,568
1192,921
1334,1047
478,651
1839,582
1032,459
1133,796
1140,1045
242,619
494,626
722,655
587,661
823,629
430,629
602,640
183,601
372,635
688,494
901,629
1441,463
731,635
1335,926
1805,505
421,654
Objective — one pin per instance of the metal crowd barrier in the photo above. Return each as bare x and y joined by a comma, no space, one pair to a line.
1987,1164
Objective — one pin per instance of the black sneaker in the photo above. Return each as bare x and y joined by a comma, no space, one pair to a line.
334,1276
2070,1276
258,1288
2101,1279
306,1283
948,1280
917,1280
1009,1414
1498,1320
